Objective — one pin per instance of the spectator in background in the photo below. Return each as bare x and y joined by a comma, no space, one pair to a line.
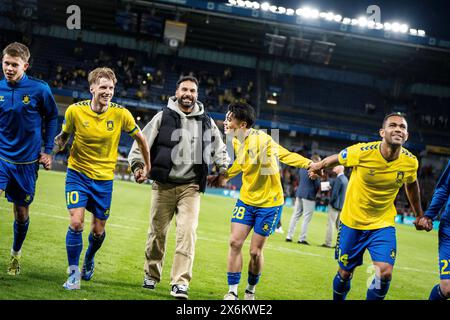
338,189
305,203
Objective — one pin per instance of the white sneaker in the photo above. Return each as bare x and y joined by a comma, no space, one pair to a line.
230,296
279,230
149,284
249,295
73,281
179,291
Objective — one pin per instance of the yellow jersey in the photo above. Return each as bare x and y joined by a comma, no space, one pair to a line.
257,158
96,137
373,185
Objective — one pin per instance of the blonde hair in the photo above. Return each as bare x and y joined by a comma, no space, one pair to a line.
17,49
95,75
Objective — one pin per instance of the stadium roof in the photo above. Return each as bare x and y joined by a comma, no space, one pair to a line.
223,31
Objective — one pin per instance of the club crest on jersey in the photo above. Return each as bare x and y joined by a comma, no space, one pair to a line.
110,125
26,99
400,176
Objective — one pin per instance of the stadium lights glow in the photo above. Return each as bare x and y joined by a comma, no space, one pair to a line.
362,21
310,13
379,26
404,28
337,18
329,16
256,5
265,6
273,9
281,10
396,27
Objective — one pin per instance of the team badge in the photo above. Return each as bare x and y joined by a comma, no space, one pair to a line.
265,227
343,258
393,254
110,125
400,176
26,99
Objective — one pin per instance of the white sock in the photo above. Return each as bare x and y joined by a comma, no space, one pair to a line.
74,268
251,288
233,288
16,253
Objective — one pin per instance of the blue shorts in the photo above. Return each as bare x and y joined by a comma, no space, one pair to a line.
352,243
84,192
444,250
19,181
263,220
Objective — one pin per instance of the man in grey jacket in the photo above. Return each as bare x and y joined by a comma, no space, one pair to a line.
183,141
338,189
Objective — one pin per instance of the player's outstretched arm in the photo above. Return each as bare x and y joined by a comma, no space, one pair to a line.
315,168
141,174
413,193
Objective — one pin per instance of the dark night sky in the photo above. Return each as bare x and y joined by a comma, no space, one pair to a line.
432,16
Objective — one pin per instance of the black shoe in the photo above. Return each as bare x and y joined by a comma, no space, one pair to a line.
179,291
288,240
326,246
303,242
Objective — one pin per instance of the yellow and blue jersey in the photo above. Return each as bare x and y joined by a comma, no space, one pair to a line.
257,158
25,108
374,184
96,137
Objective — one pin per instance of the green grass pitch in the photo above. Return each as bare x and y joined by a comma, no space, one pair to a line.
291,271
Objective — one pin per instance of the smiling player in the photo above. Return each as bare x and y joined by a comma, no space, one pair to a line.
261,195
380,169
96,125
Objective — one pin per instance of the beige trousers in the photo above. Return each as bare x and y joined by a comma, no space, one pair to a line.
168,200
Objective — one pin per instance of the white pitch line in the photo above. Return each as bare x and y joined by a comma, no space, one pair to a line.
269,246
